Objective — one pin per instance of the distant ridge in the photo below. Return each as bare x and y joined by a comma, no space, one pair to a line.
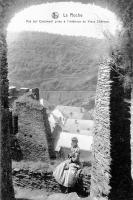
55,63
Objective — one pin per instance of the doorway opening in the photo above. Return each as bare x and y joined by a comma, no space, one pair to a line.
57,48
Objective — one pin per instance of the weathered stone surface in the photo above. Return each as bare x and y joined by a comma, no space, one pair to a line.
111,168
101,149
6,189
32,133
32,112
15,93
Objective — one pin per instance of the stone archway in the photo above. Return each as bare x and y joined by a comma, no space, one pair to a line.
105,104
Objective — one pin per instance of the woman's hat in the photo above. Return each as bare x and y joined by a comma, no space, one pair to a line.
75,139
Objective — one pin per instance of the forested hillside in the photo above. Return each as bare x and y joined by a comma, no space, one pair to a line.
66,64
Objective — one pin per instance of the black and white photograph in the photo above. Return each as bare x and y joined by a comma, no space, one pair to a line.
66,100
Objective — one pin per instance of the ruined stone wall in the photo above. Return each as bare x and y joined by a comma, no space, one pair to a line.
101,148
6,188
111,168
31,130
15,93
14,96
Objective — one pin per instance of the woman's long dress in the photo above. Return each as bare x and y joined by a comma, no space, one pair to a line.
66,173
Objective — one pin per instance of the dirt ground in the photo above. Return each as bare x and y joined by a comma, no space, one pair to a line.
28,194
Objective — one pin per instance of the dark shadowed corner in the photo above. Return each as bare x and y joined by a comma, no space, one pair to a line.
120,99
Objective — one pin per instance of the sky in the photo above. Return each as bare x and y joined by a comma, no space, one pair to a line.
75,19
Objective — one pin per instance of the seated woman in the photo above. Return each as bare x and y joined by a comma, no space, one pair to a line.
67,173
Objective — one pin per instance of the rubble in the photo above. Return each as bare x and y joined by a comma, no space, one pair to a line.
38,179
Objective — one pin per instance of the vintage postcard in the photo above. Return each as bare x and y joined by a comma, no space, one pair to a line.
66,100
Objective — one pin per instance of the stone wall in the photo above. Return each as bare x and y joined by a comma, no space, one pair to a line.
14,93
32,133
6,188
101,149
14,97
111,168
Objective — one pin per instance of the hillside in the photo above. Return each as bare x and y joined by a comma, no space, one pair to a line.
63,67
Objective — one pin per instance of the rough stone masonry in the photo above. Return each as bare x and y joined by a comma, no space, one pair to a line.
32,138
31,129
